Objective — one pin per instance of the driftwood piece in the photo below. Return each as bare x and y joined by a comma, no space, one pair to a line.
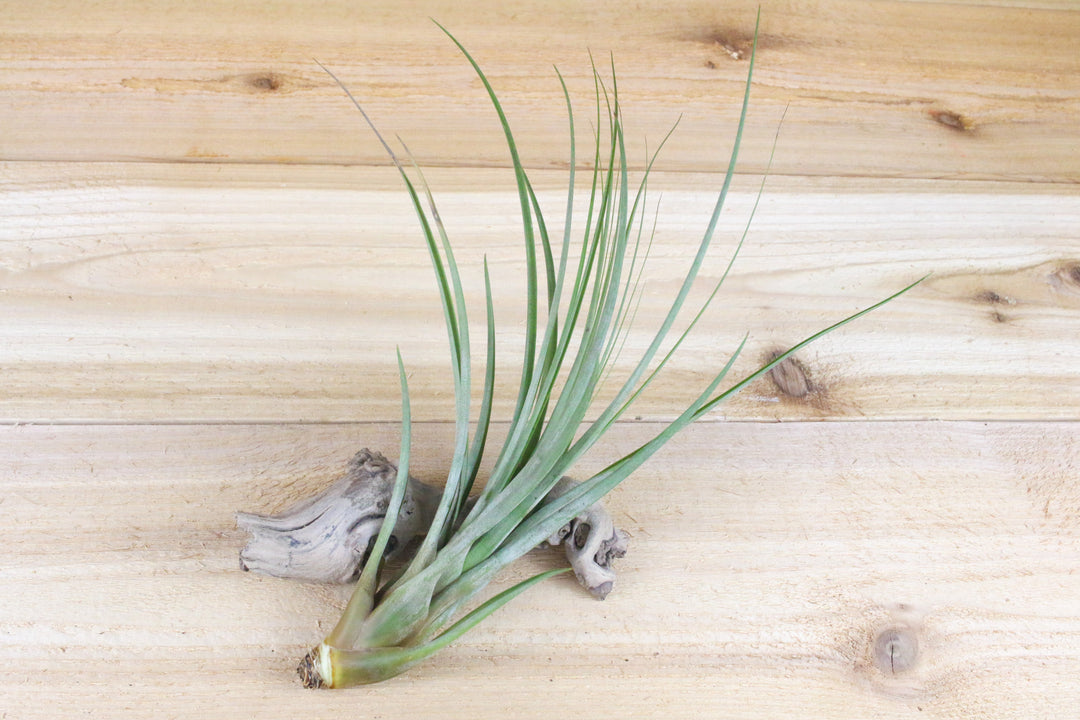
592,543
326,538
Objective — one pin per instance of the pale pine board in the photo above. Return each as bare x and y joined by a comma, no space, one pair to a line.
765,561
270,272
195,293
899,89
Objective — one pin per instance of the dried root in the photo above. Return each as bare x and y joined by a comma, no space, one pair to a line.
326,538
309,675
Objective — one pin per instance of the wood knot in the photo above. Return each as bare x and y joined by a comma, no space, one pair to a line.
1073,273
893,651
790,377
265,82
736,48
896,649
730,44
990,297
996,300
952,120
1066,277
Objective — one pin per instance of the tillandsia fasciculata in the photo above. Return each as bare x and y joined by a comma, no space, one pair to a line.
574,333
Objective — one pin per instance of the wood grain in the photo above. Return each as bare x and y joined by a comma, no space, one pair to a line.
244,293
896,89
767,561
206,264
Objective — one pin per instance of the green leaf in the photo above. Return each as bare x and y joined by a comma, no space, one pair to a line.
362,600
589,311
364,666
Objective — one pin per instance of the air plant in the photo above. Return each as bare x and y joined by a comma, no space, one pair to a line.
574,333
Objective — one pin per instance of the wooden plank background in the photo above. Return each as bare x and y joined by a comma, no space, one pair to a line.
206,264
